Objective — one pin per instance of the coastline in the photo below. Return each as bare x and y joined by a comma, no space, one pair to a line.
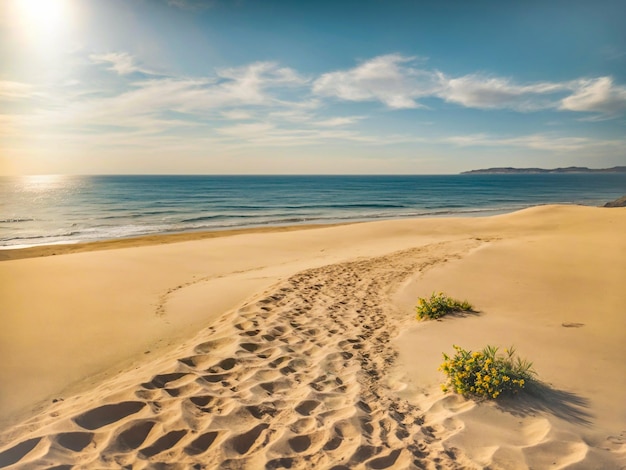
37,251
170,295
77,210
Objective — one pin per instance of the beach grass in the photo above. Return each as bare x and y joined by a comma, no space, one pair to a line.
439,305
486,374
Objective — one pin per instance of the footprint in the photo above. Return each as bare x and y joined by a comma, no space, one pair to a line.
18,452
200,361
276,386
364,452
283,462
385,462
364,406
307,406
300,443
107,414
215,378
243,442
259,411
250,333
211,346
160,381
164,443
250,347
202,443
135,435
75,441
333,443
228,364
201,401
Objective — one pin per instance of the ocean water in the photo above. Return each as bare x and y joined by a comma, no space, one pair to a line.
40,210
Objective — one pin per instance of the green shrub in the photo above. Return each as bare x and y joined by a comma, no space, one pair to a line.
486,373
439,305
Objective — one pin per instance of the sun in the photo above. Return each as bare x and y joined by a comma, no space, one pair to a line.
42,18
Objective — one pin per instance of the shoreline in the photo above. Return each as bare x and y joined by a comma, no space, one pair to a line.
301,326
60,248
8,252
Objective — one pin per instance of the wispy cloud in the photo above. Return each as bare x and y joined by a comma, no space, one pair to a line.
120,62
599,95
398,83
477,91
339,121
388,79
265,104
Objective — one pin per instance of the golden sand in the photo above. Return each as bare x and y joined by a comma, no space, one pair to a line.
299,348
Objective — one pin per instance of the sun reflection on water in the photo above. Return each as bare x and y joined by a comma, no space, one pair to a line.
44,183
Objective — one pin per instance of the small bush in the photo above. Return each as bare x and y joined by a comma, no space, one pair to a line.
439,305
486,374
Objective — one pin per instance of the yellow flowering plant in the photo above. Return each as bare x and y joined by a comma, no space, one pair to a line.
439,305
486,374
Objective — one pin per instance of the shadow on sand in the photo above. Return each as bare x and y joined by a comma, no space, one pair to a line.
460,314
540,397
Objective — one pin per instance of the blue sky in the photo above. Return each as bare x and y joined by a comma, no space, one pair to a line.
227,87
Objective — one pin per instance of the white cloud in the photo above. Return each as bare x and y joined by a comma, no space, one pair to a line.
120,62
237,115
388,79
597,95
158,104
339,121
395,81
264,104
476,91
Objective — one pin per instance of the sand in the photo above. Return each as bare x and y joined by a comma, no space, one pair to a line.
299,348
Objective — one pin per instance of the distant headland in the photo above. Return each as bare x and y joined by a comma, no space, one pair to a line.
569,169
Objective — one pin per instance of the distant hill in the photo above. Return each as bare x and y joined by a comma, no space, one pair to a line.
569,169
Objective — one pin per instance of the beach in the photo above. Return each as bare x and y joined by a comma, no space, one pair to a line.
299,347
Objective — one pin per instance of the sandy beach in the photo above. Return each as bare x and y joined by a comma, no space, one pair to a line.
299,348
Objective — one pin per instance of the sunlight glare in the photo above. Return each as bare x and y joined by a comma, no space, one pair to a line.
43,183
42,19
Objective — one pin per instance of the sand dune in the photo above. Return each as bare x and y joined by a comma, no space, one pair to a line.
306,353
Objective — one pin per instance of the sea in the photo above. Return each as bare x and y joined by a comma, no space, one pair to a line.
47,210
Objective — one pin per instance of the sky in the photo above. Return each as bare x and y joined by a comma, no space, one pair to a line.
310,87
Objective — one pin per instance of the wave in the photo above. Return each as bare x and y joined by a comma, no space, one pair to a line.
232,221
135,215
41,237
220,216
16,220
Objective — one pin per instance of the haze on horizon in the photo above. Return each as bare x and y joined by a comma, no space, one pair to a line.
278,87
